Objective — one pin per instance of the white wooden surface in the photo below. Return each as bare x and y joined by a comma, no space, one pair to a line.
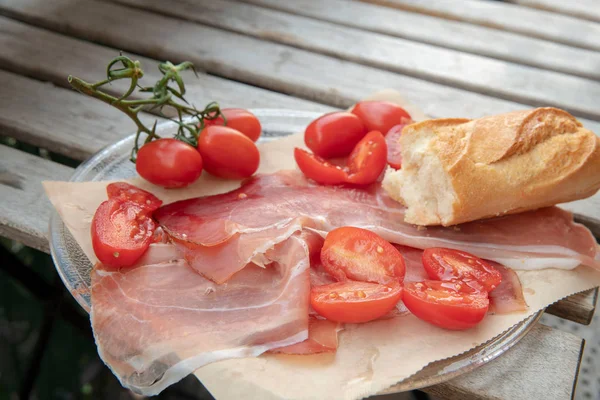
476,73
527,21
447,33
586,9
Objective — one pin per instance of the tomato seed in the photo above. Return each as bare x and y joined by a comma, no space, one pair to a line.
116,254
380,249
360,294
242,196
333,295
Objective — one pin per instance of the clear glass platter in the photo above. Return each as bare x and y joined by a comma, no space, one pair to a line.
112,163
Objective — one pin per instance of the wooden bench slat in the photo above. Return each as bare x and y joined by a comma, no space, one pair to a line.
26,210
510,17
472,72
586,9
269,65
578,308
446,33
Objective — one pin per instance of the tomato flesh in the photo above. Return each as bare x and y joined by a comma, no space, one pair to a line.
355,302
169,163
239,119
448,264
318,169
361,255
121,232
126,192
380,115
334,134
227,153
392,140
368,160
454,305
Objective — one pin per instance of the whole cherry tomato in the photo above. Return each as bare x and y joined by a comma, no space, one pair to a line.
319,170
361,255
355,302
368,159
380,115
449,264
169,163
334,134
227,153
239,119
451,305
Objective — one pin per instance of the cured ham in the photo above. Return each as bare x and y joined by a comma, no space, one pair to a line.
266,209
159,321
508,296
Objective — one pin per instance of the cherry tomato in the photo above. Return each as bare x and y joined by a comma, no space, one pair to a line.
448,264
126,192
169,163
392,140
121,232
368,159
380,115
334,134
355,302
452,305
319,170
239,119
361,255
227,153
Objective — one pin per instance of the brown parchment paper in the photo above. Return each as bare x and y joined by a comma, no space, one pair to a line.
371,357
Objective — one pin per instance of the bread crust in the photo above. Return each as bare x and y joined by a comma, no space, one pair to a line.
511,162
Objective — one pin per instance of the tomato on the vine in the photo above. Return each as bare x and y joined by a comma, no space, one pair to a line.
380,115
239,119
334,134
227,153
169,163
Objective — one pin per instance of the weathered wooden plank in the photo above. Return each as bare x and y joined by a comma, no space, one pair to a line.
544,365
586,9
282,68
447,33
26,210
509,17
476,73
578,308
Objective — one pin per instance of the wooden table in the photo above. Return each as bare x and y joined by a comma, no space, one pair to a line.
467,60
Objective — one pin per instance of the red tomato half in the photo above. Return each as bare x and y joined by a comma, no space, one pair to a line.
319,170
368,159
126,192
334,134
451,305
448,264
392,140
240,120
121,232
227,153
169,163
355,302
380,115
361,255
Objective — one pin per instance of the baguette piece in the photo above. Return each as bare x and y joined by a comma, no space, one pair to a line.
460,170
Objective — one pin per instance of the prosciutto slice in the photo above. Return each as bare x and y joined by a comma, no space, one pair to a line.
508,296
160,321
284,202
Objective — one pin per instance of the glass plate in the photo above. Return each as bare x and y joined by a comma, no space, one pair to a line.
112,163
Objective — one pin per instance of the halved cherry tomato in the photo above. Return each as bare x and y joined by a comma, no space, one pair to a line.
319,170
355,302
169,163
361,255
121,232
126,192
368,159
392,140
334,134
227,153
239,119
448,264
452,305
380,115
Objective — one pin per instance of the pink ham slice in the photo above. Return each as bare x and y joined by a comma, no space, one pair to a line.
508,296
158,322
267,209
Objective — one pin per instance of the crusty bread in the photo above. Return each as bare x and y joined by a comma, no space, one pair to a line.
459,170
